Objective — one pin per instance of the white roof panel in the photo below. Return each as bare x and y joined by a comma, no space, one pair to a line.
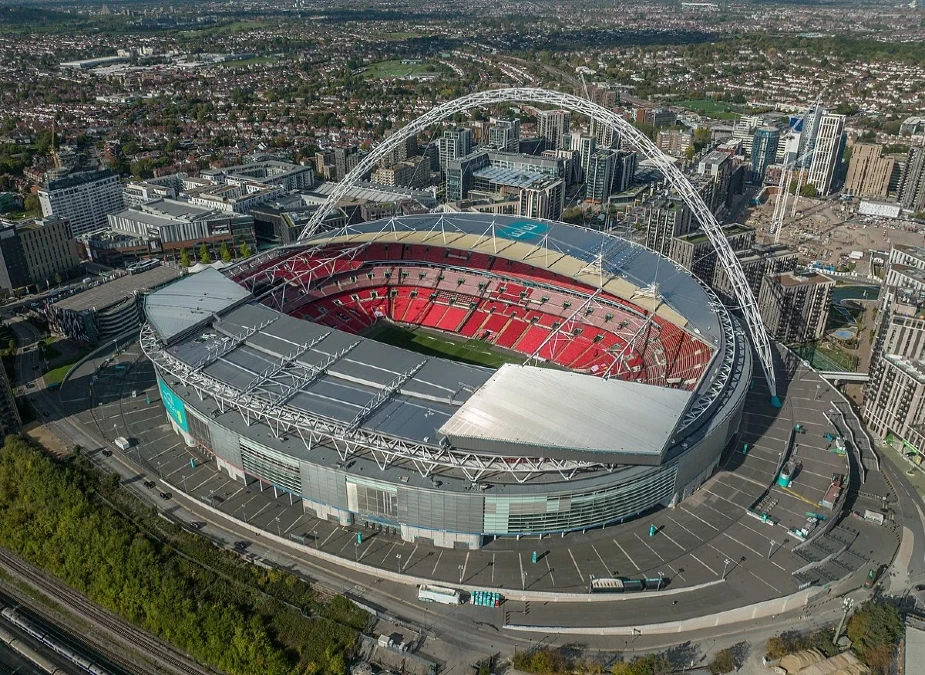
553,409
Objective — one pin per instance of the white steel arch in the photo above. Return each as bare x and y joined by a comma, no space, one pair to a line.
637,139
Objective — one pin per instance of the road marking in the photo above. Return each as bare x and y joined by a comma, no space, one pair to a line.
704,564
574,562
694,535
346,543
665,534
654,552
333,532
546,558
622,550
761,556
607,569
294,523
465,565
493,569
434,570
523,577
711,525
678,573
268,505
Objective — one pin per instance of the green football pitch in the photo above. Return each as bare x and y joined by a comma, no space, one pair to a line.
430,343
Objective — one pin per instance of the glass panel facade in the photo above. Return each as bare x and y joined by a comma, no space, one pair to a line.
372,498
271,466
199,429
530,514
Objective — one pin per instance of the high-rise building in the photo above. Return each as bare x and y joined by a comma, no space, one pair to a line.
35,252
504,134
674,141
83,199
665,220
757,262
553,125
587,147
604,134
795,307
694,251
599,176
764,152
744,130
624,169
9,414
345,159
827,151
455,144
911,191
869,172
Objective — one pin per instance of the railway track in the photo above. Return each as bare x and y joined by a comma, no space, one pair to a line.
166,656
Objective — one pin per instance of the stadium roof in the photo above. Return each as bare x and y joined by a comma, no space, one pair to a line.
526,411
627,270
182,305
112,292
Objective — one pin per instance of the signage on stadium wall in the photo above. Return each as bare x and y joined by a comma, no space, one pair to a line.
174,405
522,229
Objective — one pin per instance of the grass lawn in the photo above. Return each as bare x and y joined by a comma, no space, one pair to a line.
57,374
396,69
421,341
717,109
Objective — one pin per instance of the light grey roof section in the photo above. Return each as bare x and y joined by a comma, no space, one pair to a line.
115,291
542,409
190,301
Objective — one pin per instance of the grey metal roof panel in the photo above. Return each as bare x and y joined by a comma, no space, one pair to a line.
438,380
190,301
246,316
405,417
543,408
229,373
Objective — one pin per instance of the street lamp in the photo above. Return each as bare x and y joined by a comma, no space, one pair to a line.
278,527
661,577
590,582
523,581
398,558
461,568
315,535
771,549
726,563
356,551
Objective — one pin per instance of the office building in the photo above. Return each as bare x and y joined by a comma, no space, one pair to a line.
674,142
625,163
826,151
455,144
795,307
764,151
553,125
666,219
36,252
504,134
743,131
869,171
911,191
83,199
287,175
161,229
10,422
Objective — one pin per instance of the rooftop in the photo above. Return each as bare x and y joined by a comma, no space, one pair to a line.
514,177
112,292
792,279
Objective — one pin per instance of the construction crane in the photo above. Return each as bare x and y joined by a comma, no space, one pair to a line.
786,175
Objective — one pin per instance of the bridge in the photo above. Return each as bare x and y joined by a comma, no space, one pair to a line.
844,376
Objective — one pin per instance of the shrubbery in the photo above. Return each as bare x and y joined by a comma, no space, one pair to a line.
219,610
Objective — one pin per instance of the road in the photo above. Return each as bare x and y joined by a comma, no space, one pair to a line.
461,633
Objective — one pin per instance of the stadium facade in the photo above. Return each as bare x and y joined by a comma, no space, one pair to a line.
625,377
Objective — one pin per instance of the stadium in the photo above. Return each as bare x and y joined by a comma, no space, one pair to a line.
457,377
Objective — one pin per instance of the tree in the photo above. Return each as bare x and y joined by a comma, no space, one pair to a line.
723,662
204,256
702,138
809,190
11,347
874,630
690,153
31,203
225,252
244,250
776,648
184,258
650,664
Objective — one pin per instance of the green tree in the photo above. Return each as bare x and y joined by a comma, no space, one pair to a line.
874,631
184,258
702,138
724,662
225,252
204,256
650,664
776,648
11,347
690,153
244,250
31,203
809,190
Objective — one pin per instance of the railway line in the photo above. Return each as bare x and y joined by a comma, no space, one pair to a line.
167,658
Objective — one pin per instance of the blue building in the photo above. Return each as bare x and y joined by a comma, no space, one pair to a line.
764,150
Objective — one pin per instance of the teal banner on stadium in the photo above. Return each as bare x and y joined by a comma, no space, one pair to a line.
176,410
523,229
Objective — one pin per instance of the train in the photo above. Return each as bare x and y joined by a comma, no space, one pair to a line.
624,585
46,638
